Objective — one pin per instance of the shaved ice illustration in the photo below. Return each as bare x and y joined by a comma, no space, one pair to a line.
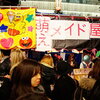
11,16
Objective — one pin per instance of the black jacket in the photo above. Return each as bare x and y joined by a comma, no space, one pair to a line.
5,67
32,96
5,88
48,78
64,88
95,92
84,89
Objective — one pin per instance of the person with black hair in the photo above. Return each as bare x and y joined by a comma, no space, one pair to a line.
64,86
5,63
5,83
48,74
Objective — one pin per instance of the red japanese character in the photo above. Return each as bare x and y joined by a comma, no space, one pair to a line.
43,25
42,41
80,29
70,27
57,31
95,29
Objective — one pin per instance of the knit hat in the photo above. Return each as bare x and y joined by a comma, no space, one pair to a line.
86,58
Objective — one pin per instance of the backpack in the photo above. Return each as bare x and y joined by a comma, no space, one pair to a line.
81,94
95,92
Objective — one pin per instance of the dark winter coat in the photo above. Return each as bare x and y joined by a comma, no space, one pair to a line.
48,78
95,92
5,88
5,83
64,88
5,67
32,96
83,91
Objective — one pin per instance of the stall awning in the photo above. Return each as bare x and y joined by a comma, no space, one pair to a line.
76,44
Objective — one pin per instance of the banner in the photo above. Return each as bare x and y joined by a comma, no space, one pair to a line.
64,29
17,28
44,41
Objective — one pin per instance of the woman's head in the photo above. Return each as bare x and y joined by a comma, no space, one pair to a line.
95,73
63,67
47,59
16,56
27,73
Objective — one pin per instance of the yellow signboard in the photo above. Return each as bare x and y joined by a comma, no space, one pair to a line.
17,28
82,72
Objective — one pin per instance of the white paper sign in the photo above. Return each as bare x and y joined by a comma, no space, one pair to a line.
44,42
64,29
57,29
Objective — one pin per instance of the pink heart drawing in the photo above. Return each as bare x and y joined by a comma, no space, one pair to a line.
7,43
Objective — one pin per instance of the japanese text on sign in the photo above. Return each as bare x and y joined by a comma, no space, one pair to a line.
44,41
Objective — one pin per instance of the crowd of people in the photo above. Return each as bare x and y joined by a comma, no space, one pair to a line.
24,78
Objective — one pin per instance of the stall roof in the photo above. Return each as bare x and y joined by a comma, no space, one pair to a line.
77,44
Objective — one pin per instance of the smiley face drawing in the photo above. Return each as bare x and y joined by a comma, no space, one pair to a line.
25,42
